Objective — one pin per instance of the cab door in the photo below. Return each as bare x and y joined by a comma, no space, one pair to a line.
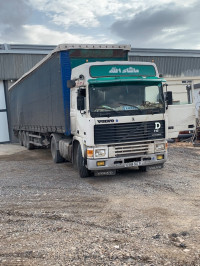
181,114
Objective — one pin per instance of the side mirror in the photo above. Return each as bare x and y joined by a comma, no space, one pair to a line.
168,97
80,103
81,99
71,84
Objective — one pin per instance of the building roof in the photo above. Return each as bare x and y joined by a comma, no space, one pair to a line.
46,49
164,52
170,62
25,48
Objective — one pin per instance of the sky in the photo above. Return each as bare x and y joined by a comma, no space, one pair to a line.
141,23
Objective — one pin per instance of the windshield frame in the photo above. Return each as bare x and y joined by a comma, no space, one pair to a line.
137,111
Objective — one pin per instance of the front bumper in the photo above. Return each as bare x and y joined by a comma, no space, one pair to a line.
129,161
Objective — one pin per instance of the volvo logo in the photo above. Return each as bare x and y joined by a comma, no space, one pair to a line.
106,121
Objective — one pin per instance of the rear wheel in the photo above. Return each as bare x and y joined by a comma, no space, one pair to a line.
24,139
83,171
20,138
57,158
29,145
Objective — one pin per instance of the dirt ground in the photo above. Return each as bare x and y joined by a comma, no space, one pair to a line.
49,216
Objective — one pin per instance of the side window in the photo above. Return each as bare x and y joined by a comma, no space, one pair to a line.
152,94
180,95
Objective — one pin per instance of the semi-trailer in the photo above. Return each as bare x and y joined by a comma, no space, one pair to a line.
94,108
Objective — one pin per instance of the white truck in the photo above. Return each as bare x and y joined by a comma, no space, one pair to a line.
93,108
181,108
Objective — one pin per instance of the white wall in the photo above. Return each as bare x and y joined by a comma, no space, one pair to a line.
4,133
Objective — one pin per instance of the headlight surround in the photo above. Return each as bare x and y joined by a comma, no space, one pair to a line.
101,152
90,153
159,147
98,152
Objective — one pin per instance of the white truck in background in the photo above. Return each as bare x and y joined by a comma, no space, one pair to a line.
181,108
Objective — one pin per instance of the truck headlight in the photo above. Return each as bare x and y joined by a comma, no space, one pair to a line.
159,147
101,152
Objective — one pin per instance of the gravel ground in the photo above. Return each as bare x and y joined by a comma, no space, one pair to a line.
49,216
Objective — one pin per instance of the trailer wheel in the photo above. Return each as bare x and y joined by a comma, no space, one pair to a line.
29,145
83,171
20,138
57,158
24,139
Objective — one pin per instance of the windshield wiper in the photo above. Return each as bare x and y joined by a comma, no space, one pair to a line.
107,113
105,107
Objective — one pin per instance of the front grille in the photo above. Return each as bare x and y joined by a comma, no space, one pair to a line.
128,132
139,148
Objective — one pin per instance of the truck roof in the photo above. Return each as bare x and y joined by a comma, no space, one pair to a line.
117,63
65,47
86,67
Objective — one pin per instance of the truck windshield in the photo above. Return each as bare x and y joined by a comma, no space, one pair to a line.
124,99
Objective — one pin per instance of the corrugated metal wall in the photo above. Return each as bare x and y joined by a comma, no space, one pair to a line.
13,66
172,66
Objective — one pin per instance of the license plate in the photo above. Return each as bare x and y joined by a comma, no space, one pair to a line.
156,166
105,173
137,163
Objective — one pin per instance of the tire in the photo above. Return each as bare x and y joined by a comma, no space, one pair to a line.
20,138
24,139
75,157
57,158
142,168
83,171
29,145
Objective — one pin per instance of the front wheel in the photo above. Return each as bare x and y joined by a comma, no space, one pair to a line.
20,138
83,171
29,145
24,139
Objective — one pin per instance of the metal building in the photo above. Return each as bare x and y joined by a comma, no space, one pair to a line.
16,59
178,67
171,63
